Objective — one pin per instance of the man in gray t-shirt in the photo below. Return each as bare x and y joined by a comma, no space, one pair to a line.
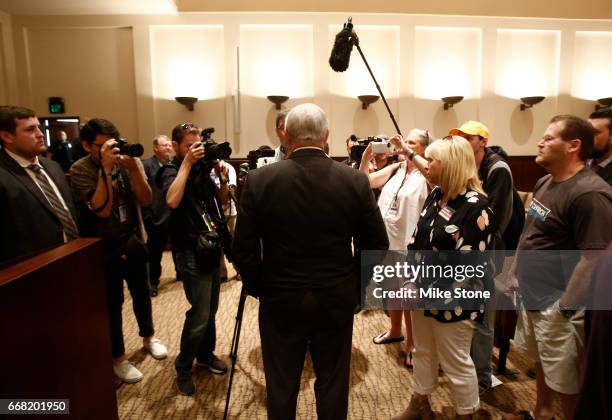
571,210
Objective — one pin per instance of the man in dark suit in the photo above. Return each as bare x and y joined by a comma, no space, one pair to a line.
295,227
37,210
157,215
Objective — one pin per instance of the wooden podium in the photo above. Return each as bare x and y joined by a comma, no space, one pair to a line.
55,339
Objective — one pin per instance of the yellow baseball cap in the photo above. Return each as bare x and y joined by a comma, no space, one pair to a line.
473,128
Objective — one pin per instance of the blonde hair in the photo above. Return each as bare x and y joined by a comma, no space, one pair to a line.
457,165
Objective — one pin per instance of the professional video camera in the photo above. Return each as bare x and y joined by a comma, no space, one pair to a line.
214,151
127,149
360,145
260,157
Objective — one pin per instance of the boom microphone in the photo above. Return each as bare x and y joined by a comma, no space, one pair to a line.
343,46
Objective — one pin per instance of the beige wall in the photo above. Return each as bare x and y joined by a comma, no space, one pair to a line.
8,91
127,69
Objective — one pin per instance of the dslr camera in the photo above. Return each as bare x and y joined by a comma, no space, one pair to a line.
214,151
127,149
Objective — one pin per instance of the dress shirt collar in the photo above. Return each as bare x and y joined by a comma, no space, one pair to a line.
23,162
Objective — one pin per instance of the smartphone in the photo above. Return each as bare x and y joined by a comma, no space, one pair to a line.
382,147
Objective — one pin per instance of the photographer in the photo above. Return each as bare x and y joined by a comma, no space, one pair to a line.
404,190
224,176
110,187
190,193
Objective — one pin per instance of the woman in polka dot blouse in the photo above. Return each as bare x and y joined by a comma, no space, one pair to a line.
455,226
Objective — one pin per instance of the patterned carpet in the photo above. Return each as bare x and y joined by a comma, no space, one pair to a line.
380,385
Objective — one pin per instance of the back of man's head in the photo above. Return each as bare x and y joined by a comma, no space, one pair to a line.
98,126
8,115
306,123
577,128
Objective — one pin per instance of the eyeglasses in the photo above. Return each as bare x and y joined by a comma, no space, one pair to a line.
186,126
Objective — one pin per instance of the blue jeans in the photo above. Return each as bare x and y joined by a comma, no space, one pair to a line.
202,291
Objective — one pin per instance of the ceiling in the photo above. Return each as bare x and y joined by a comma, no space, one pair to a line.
87,7
568,9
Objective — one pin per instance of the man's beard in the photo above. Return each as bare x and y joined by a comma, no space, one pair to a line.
602,152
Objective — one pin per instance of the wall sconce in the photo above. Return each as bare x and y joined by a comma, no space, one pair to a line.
188,101
449,101
277,100
529,101
603,103
367,100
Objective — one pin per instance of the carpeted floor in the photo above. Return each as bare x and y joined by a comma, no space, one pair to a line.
380,385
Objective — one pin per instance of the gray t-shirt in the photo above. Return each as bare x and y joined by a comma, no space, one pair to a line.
123,220
575,214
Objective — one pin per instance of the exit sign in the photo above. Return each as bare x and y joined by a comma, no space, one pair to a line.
56,105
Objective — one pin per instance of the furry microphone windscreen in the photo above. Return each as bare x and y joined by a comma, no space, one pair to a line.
341,52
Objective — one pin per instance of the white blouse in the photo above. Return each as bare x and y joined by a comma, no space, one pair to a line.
400,203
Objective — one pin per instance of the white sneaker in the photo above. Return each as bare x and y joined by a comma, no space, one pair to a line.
156,348
127,372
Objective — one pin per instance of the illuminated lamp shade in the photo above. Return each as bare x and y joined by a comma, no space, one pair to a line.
449,101
529,101
603,103
278,100
188,101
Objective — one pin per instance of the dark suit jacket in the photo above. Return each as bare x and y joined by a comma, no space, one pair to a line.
605,173
29,223
295,227
158,212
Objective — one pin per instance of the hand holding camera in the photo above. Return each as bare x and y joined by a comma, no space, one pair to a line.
401,146
196,152
109,155
382,147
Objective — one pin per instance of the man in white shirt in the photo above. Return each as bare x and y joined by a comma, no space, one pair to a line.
224,176
280,153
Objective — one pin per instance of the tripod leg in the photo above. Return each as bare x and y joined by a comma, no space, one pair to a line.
234,349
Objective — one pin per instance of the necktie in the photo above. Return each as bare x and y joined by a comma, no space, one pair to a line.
65,217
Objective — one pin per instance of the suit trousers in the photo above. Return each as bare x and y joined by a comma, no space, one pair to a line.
287,332
135,274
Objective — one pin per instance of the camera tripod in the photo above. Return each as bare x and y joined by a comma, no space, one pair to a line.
234,347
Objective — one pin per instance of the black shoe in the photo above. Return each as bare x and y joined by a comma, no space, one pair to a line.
153,291
214,364
185,384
